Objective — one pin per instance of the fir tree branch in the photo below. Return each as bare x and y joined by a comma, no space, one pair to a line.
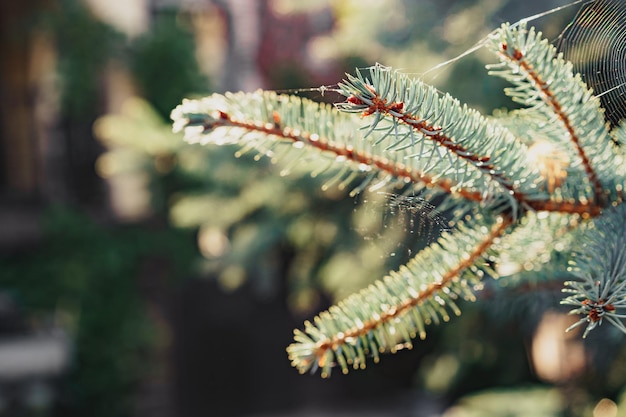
586,209
261,120
518,57
388,314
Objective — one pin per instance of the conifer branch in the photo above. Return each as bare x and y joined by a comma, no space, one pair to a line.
600,265
200,118
586,209
389,314
545,82
415,116
518,57
400,129
363,97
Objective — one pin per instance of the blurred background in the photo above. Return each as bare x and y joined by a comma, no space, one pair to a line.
140,276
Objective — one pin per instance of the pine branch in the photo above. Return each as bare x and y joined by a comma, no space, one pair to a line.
389,314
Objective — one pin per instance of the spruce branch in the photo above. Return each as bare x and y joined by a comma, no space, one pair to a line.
260,121
472,150
532,176
389,314
544,82
441,135
600,265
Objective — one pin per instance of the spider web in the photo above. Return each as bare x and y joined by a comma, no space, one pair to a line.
421,217
595,43
400,225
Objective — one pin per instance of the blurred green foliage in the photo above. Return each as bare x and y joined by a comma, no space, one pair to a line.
164,64
519,402
87,277
85,46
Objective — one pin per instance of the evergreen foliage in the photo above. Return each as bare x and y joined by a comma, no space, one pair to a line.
524,186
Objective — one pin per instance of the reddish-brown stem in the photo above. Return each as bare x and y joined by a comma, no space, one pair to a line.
481,162
394,311
392,167
566,207
553,102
